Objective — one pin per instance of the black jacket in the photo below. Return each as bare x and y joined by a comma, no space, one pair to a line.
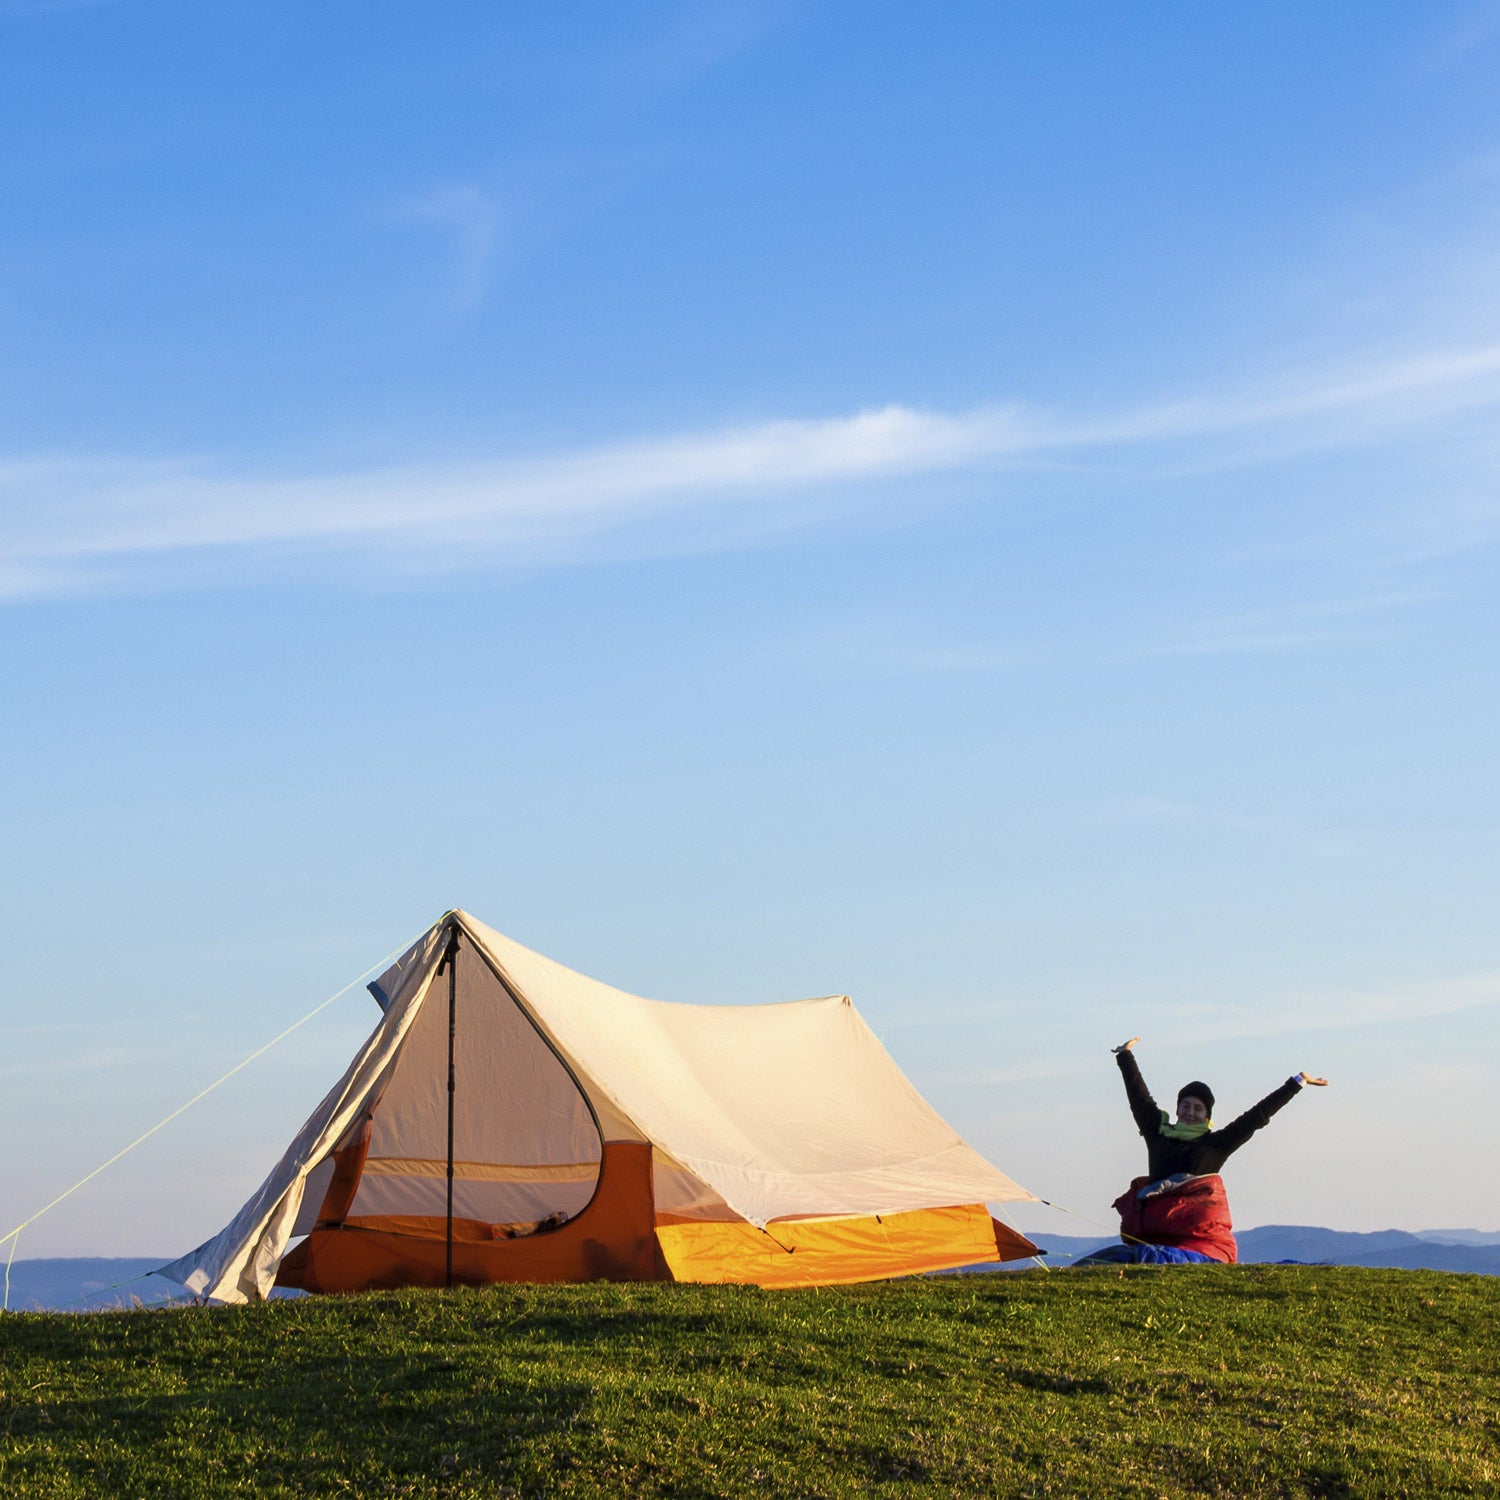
1165,1156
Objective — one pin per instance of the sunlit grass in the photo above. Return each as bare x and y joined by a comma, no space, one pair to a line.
1221,1381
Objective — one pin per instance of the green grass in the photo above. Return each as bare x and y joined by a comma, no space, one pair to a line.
1210,1381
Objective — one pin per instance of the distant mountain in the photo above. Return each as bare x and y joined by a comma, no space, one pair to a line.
1477,1252
88,1283
1479,1260
1308,1242
1470,1250
1461,1236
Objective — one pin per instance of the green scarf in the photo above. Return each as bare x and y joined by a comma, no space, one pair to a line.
1181,1132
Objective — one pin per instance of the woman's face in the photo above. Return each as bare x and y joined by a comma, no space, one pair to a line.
1191,1110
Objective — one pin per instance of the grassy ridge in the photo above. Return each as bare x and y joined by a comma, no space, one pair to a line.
1233,1381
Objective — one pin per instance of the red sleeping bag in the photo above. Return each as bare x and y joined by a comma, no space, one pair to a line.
1191,1215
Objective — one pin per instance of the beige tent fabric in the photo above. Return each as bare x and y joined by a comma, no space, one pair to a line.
758,1112
781,1109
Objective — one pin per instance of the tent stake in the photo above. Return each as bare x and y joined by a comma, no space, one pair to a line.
450,962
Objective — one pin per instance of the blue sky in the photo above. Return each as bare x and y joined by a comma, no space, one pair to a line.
994,512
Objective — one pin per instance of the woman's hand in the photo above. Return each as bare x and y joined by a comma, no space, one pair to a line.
1317,1083
1125,1046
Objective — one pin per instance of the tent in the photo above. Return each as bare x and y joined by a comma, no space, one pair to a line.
511,1120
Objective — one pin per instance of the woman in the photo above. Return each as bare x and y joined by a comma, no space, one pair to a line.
1180,1211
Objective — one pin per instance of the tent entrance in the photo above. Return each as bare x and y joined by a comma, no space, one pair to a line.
612,1239
524,1148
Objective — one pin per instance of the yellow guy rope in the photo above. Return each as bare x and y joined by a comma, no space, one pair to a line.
1098,1224
1041,1260
14,1236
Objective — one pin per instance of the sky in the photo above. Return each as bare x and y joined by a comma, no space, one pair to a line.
992,511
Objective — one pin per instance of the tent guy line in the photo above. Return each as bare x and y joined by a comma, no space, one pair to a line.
13,1238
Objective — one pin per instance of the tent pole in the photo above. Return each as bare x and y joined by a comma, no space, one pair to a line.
450,962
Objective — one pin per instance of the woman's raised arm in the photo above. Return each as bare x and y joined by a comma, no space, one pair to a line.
1142,1106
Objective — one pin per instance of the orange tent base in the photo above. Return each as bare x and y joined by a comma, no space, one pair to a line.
613,1239
619,1237
825,1252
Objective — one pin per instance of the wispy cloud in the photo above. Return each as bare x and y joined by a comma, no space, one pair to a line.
699,39
469,213
26,8
1289,1015
74,524
1474,27
1316,622
1339,1010
94,1060
1320,843
881,644
1038,1070
52,1028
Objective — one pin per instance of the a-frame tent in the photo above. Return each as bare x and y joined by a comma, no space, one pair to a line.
511,1120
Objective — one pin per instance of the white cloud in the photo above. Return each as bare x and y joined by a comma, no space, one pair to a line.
74,524
1289,1015
1316,622
881,643
27,8
989,1077
1473,28
1340,1010
469,212
698,40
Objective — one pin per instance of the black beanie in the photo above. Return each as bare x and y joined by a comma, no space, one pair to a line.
1198,1090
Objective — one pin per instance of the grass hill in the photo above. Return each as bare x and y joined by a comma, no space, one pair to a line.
1248,1381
